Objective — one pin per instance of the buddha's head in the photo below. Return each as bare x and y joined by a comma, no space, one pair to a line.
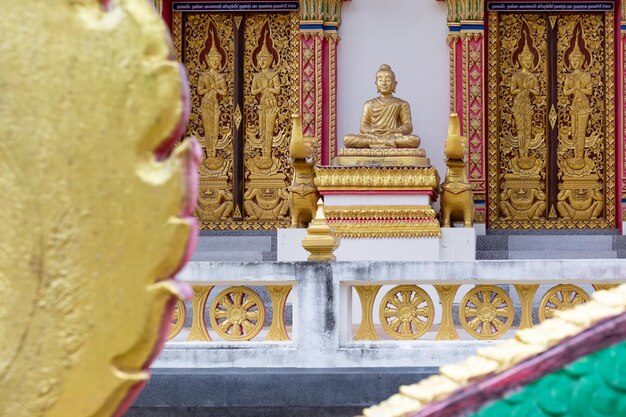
386,80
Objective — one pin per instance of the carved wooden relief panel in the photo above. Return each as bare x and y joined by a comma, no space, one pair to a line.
551,120
243,71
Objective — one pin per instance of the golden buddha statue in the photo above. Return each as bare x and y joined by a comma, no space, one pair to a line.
386,121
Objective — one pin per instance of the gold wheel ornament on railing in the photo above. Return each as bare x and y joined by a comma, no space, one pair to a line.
406,312
560,298
486,312
178,319
237,313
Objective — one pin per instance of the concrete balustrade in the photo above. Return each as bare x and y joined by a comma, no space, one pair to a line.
326,311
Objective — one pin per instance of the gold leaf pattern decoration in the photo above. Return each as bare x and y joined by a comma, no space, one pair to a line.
96,219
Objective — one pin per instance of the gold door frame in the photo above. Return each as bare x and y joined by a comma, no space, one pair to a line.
550,216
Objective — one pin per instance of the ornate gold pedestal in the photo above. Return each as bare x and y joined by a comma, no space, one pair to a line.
357,200
382,157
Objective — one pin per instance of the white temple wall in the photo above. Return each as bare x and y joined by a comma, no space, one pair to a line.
409,35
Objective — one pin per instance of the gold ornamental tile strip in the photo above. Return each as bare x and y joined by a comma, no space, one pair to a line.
385,229
383,152
526,344
377,178
379,212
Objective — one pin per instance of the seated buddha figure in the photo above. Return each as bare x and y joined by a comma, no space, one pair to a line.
386,121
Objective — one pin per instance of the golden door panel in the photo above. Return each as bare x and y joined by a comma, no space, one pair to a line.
208,54
270,74
584,130
551,121
243,72
522,89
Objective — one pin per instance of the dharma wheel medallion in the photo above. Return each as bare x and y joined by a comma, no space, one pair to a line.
406,312
486,312
178,319
237,313
561,298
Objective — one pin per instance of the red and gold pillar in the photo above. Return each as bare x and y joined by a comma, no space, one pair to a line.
466,47
319,23
621,135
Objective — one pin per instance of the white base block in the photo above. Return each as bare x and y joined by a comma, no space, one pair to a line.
624,228
481,229
389,249
458,244
455,244
289,245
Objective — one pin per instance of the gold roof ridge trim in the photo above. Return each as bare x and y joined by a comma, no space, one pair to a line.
526,344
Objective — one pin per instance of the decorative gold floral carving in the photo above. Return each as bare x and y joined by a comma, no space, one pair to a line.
237,117
379,212
177,35
552,116
386,228
321,10
463,10
386,178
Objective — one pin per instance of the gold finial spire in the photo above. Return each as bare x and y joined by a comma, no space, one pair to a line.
320,240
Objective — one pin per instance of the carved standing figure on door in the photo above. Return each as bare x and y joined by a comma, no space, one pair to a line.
266,87
578,86
211,88
524,86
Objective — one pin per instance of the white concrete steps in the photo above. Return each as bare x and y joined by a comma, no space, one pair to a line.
551,246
